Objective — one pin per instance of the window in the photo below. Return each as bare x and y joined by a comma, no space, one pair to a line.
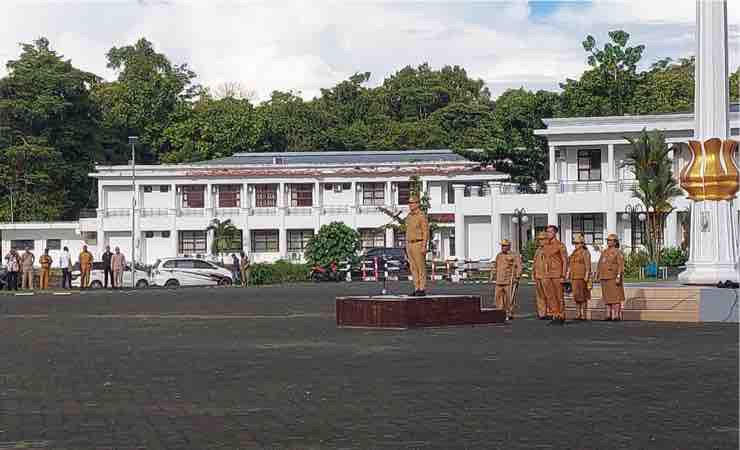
90,237
229,196
265,241
193,196
149,234
22,244
165,234
589,165
202,265
191,242
404,190
371,237
639,232
452,243
169,264
164,188
185,264
54,244
235,243
373,194
301,195
147,189
399,239
298,239
591,226
265,195
346,186
450,195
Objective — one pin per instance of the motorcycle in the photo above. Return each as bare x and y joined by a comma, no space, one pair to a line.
331,272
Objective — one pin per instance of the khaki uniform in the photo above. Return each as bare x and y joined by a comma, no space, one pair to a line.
508,272
417,240
27,261
538,271
555,267
45,262
86,260
246,272
611,268
580,272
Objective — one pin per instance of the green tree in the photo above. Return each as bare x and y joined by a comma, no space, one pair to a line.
49,135
225,234
656,187
666,88
735,85
290,123
334,242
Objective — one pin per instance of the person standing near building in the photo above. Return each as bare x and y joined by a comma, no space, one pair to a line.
13,264
538,270
417,243
611,276
27,267
118,265
235,269
556,266
579,274
508,273
86,261
246,272
107,269
45,262
65,263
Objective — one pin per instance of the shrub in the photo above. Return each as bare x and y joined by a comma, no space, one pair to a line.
278,272
673,257
634,261
334,242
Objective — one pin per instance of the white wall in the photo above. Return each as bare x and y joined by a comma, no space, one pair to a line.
117,197
478,236
68,238
121,239
331,198
155,199
156,247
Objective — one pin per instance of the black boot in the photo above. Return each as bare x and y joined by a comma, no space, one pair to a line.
421,293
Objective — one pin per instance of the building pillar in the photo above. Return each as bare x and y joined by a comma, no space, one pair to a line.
282,232
318,204
552,212
670,238
460,247
494,188
611,213
611,166
175,207
551,158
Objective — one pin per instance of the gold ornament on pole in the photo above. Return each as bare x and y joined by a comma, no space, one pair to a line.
712,173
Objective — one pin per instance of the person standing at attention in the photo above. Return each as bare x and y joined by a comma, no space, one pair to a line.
508,273
246,272
27,267
579,274
45,262
86,260
65,263
556,266
417,243
538,270
118,265
107,269
13,264
611,276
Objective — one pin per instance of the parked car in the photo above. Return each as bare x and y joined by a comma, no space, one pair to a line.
97,276
3,277
176,272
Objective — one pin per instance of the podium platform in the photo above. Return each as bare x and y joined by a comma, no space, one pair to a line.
403,312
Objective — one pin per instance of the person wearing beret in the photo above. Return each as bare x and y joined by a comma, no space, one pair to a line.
579,274
611,276
508,273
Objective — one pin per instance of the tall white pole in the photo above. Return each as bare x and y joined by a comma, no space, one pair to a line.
132,140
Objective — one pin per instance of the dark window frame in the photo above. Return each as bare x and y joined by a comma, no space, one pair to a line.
590,225
588,164
265,195
15,244
371,238
195,240
229,195
194,196
265,241
404,192
301,195
298,239
373,194
57,244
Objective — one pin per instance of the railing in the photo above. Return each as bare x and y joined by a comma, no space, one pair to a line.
627,185
363,209
336,210
299,211
513,189
268,211
219,212
117,212
477,191
153,212
191,212
580,186
88,214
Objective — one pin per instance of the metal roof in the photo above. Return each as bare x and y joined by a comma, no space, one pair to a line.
362,158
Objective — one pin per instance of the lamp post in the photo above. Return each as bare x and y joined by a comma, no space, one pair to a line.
635,214
133,140
520,216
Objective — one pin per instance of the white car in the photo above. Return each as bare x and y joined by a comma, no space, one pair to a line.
97,277
176,272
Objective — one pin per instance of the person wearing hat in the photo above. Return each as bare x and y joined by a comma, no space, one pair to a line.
555,268
508,272
417,243
611,276
538,269
579,274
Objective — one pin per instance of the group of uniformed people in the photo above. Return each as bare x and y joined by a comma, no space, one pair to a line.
553,268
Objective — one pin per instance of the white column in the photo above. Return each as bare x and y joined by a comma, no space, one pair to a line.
389,197
611,213
283,234
494,188
460,241
611,166
671,230
552,192
551,160
174,208
318,200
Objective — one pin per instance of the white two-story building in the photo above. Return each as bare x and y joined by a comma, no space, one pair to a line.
279,200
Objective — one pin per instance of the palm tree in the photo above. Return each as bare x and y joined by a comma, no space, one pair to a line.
224,235
656,186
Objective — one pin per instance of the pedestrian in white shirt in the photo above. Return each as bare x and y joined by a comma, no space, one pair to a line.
65,263
118,264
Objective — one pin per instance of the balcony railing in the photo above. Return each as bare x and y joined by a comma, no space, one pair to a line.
267,211
192,212
336,210
366,209
580,186
627,185
299,211
117,212
88,214
220,212
477,191
155,212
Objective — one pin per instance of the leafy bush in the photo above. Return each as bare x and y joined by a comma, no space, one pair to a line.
634,261
278,272
334,242
673,257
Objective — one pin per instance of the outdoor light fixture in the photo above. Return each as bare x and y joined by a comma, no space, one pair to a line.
520,216
634,213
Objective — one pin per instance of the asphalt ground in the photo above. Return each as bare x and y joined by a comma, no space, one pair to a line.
266,367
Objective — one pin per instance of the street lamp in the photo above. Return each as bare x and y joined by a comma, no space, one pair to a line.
520,216
133,140
635,214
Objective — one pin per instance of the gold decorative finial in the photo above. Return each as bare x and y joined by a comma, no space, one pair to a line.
712,173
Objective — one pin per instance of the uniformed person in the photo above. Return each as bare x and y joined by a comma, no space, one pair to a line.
579,274
508,273
417,243
538,269
611,276
45,262
555,268
86,262
27,261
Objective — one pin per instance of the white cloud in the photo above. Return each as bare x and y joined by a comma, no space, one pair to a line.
309,45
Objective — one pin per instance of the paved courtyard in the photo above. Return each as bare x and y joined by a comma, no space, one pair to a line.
267,368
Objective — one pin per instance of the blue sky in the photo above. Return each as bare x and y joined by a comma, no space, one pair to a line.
307,45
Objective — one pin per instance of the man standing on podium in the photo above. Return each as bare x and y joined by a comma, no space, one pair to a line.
417,243
556,266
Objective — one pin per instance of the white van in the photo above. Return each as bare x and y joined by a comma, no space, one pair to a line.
176,272
97,277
